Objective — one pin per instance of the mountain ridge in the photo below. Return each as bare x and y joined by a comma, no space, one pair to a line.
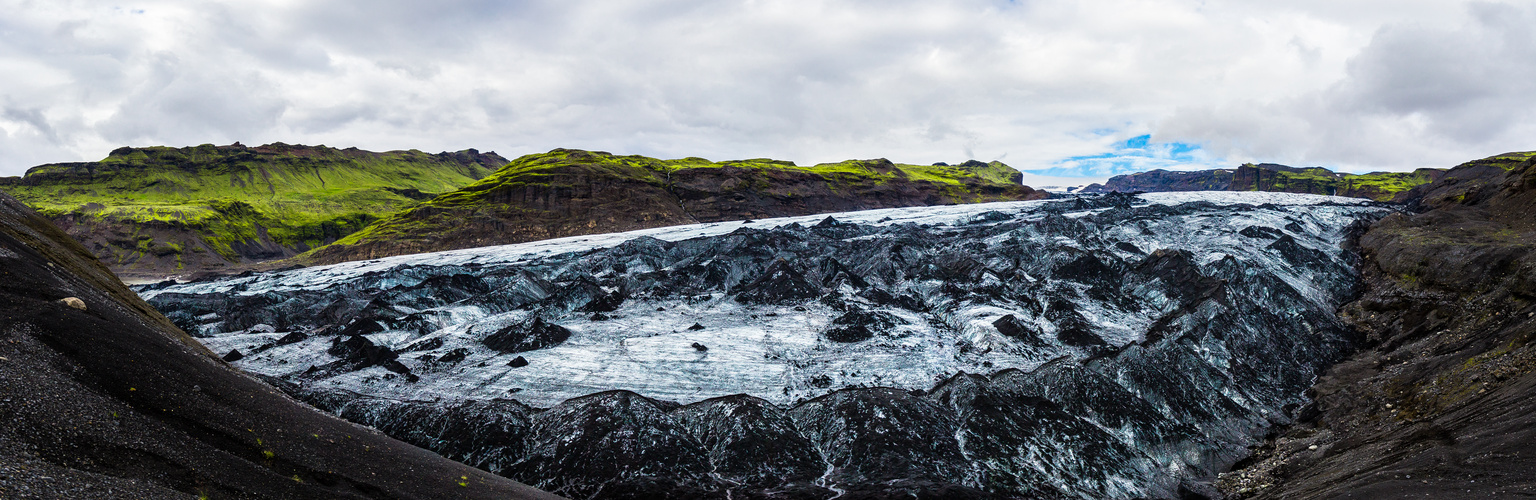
574,192
154,211
1378,186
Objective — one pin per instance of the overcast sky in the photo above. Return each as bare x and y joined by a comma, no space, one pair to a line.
1063,87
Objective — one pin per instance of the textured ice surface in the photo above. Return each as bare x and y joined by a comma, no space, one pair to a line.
776,352
1130,343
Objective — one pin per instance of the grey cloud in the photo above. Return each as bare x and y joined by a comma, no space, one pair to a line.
32,117
192,105
1417,95
917,81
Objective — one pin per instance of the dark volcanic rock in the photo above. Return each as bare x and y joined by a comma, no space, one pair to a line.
754,442
614,444
527,336
879,434
859,324
780,283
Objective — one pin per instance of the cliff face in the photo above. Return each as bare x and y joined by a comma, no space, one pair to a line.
1379,186
157,211
570,193
101,397
1444,404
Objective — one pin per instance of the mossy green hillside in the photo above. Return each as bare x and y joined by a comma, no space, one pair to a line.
298,197
1506,161
693,181
1379,186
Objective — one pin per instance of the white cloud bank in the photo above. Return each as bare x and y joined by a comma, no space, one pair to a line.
1049,84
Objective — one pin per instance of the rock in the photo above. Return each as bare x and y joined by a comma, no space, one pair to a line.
425,345
527,336
454,356
1261,232
233,356
699,347
780,283
74,302
696,327
518,362
357,352
847,334
292,338
857,325
607,302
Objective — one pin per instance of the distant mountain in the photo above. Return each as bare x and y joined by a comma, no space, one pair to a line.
571,192
155,211
1379,186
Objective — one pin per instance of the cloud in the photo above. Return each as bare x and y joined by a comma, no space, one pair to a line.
1418,95
1048,84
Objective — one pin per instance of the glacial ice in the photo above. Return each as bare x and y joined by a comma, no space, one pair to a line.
1148,326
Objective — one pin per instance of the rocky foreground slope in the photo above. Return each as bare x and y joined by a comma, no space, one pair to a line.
158,211
1116,347
1379,186
1443,403
101,397
573,192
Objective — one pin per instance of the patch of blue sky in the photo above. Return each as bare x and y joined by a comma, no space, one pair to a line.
1137,154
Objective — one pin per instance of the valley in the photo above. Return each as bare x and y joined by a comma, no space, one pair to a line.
1005,349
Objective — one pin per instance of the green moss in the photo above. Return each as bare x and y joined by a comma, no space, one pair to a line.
577,167
1379,186
302,196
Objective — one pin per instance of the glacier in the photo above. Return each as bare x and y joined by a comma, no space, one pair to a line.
1119,346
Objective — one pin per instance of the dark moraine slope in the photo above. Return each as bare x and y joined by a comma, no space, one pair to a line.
1444,404
101,397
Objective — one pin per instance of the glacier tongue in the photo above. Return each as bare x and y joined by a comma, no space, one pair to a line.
1132,344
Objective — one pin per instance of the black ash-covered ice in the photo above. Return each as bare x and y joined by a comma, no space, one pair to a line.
1112,347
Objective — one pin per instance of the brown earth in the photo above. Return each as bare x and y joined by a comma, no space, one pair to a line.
101,397
1444,404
